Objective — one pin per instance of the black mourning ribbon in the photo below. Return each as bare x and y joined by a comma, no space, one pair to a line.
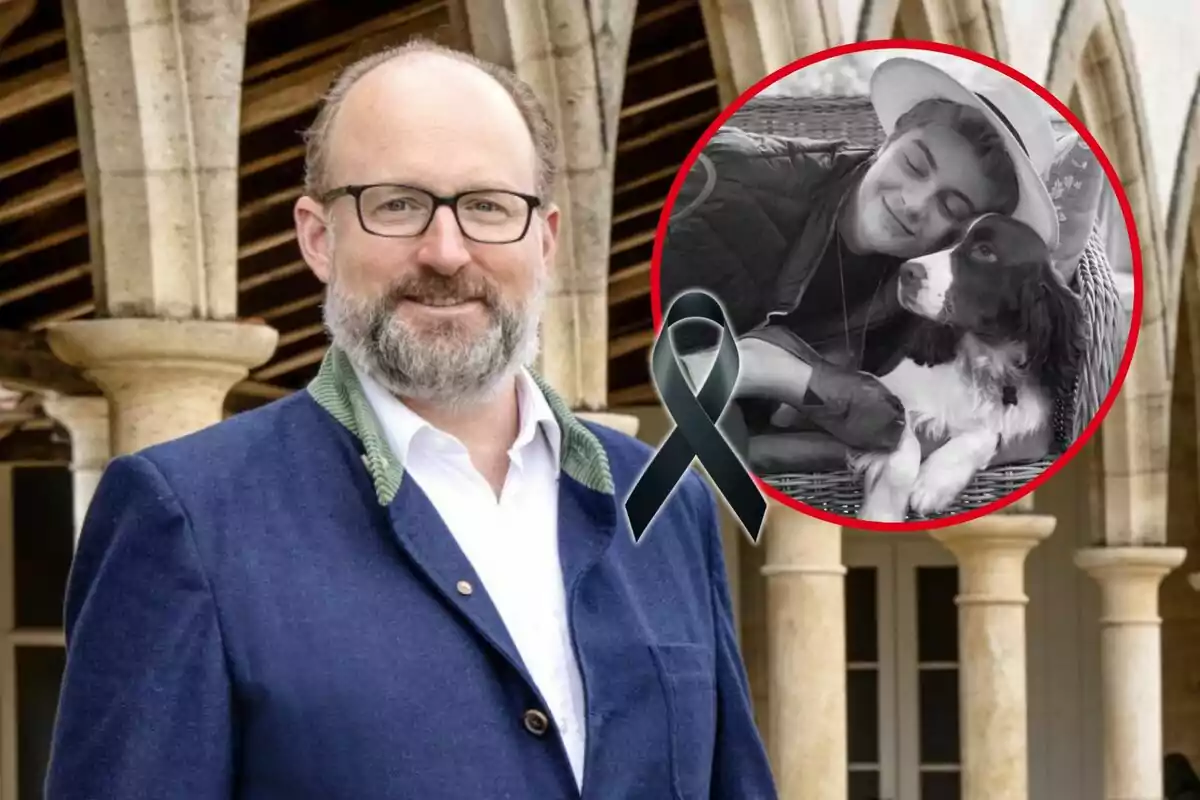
695,415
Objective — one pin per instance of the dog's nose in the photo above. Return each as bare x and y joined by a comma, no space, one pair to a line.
912,272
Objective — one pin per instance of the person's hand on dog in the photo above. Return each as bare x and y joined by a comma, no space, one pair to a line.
855,407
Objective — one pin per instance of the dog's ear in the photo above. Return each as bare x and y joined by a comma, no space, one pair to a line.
931,343
1051,327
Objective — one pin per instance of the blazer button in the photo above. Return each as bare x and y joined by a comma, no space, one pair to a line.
536,722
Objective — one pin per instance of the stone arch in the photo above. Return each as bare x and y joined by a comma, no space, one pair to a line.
750,39
1091,62
1184,214
974,24
573,55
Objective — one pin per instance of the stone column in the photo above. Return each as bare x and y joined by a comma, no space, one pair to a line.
1131,664
165,345
573,55
991,553
806,651
87,420
163,378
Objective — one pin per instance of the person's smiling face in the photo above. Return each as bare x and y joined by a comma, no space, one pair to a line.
923,186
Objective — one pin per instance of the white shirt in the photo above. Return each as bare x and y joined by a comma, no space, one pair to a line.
512,542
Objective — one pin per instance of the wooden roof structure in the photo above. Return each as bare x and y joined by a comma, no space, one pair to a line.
293,50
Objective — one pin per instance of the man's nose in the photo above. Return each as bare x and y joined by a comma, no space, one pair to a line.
443,246
917,199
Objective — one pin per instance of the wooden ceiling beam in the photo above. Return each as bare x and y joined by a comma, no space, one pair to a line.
35,158
630,343
629,283
299,90
48,282
641,394
60,190
37,88
340,41
263,10
45,243
299,361
26,362
272,275
34,44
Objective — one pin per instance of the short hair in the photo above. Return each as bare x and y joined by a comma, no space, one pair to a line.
541,129
978,131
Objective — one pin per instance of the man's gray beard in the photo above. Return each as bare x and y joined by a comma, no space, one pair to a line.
445,363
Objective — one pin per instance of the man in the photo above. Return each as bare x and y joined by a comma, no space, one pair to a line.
414,579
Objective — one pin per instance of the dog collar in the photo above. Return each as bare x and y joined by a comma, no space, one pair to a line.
1009,395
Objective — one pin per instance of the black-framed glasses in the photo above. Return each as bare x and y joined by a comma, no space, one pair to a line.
489,216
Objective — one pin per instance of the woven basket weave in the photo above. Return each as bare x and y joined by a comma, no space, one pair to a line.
840,492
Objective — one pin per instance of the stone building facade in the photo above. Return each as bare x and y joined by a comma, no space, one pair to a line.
149,286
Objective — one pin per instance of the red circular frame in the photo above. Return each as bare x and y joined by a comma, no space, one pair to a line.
1110,173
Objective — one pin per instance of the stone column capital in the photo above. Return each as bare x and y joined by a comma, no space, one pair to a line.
1129,578
220,346
1018,532
164,377
1153,563
86,418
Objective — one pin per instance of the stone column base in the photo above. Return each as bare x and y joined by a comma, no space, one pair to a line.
164,378
1131,664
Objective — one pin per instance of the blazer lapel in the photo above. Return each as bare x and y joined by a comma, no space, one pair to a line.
423,535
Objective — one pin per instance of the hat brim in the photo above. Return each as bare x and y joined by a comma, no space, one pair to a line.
900,83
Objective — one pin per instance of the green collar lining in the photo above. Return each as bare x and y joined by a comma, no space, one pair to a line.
337,390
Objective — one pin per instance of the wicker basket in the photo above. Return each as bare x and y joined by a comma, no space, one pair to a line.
840,492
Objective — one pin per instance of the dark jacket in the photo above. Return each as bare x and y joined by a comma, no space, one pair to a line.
753,219
266,610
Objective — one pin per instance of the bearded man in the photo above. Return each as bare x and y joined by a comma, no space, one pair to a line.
415,579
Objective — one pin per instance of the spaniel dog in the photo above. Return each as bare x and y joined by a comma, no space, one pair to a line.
997,341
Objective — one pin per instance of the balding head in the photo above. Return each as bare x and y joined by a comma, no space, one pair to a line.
426,89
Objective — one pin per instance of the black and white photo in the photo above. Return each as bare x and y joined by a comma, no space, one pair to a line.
911,250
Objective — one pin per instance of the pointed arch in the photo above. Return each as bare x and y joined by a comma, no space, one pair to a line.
974,24
1092,62
1184,213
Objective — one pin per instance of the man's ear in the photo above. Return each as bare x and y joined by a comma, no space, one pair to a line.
314,236
550,219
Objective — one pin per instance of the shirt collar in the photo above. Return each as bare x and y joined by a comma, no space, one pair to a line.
401,424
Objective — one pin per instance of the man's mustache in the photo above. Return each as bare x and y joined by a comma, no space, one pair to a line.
435,287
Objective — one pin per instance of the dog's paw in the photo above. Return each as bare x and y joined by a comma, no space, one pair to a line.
877,510
938,485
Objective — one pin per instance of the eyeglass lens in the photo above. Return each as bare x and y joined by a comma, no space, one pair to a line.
488,216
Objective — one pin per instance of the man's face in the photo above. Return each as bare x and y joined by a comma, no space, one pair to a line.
438,316
923,187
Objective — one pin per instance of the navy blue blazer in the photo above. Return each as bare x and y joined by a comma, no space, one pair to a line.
266,610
